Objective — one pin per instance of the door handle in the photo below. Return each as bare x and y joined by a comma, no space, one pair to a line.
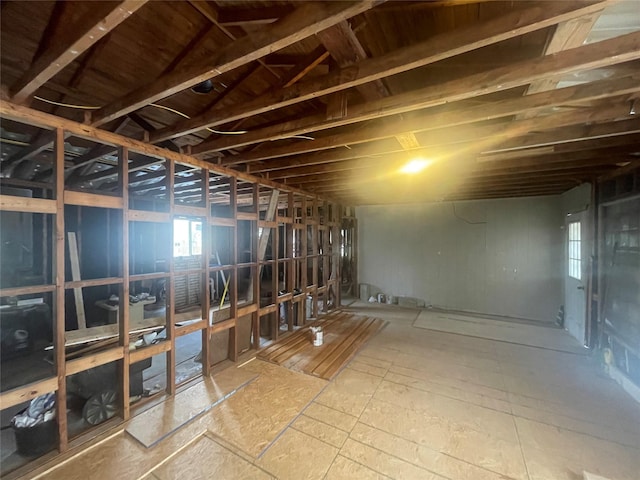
581,287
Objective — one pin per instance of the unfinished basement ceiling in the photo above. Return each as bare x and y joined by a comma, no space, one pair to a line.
503,99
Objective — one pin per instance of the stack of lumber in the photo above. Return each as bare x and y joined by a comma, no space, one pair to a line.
344,335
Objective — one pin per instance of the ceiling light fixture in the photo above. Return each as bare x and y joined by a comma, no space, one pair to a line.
415,165
632,109
203,88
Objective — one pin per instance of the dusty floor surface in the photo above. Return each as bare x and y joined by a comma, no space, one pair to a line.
418,402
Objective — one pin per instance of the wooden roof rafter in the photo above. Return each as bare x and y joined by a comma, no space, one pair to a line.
608,52
490,32
75,41
307,19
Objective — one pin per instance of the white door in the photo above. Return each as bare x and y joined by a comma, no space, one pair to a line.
575,277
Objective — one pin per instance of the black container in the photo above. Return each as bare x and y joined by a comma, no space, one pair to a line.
37,440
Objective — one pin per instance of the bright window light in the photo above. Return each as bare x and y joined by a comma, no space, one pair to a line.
416,165
187,237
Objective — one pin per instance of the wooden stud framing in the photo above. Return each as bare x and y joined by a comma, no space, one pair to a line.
171,291
59,315
123,320
205,295
117,339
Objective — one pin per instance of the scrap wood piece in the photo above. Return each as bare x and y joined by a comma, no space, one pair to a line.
344,335
319,366
292,342
75,276
331,331
334,367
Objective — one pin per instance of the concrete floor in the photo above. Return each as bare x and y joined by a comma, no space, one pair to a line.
418,402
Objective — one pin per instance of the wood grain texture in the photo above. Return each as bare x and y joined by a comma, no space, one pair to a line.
435,49
155,424
344,334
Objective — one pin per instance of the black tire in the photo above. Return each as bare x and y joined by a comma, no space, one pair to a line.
100,407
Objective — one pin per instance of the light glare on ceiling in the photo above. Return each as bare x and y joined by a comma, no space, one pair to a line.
415,165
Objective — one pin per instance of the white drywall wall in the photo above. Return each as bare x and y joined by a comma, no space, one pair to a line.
511,265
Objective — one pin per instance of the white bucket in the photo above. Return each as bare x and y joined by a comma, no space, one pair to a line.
318,336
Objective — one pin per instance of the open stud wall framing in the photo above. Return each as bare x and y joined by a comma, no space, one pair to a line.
311,267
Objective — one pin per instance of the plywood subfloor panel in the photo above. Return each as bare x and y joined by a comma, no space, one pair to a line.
205,459
414,403
502,330
253,418
344,334
160,421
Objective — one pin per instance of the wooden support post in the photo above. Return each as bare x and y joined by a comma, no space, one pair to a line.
206,292
59,316
304,262
260,241
275,327
171,287
123,321
75,276
233,282
337,258
315,255
290,262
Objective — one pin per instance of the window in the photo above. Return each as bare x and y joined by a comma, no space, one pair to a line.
187,237
575,257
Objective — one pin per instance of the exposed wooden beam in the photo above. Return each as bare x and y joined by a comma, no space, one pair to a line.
211,14
308,19
239,16
77,39
145,125
567,35
442,126
193,50
140,164
345,48
619,171
631,139
574,133
574,164
20,113
576,174
306,64
437,48
608,52
44,141
378,162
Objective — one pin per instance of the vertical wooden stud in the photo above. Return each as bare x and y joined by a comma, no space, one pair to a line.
275,238
123,321
303,259
171,290
315,229
290,262
206,293
233,282
59,263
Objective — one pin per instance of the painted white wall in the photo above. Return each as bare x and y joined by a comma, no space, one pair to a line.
511,265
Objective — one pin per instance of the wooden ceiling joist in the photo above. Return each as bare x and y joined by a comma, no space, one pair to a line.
454,117
608,52
75,41
307,19
567,35
326,98
20,113
238,16
437,48
489,138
